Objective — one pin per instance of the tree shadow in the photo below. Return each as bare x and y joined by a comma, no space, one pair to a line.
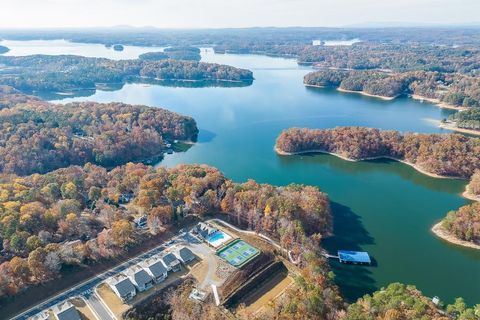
205,136
402,170
350,234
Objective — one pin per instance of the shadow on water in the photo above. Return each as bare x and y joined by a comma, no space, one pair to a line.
383,166
350,234
205,136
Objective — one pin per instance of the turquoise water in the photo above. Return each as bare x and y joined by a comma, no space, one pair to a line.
216,236
382,207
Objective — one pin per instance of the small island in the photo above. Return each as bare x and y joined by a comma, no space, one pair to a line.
66,73
4,49
175,53
118,47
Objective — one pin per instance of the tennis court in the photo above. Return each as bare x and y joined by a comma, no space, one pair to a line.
238,253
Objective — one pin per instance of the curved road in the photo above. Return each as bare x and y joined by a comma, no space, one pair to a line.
86,289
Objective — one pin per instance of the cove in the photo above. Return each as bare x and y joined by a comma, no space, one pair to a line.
383,207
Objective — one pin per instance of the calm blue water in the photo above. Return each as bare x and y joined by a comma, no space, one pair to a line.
383,207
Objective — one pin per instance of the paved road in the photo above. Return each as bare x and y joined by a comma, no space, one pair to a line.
99,309
85,289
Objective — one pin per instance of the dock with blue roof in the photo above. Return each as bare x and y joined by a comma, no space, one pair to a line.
354,257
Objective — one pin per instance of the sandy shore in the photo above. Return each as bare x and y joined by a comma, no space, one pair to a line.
363,93
440,232
437,102
450,126
470,196
433,175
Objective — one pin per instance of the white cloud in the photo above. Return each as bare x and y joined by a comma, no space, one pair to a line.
231,13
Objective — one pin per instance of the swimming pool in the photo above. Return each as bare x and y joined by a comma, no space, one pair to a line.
218,238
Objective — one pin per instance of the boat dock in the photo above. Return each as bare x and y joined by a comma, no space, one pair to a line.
350,257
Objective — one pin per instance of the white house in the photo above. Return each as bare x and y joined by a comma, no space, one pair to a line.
123,287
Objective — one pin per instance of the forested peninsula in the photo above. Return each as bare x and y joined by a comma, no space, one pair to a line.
462,226
37,136
446,89
42,214
448,155
65,73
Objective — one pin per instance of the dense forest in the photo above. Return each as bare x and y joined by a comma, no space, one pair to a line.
398,301
468,119
40,215
3,49
36,136
474,185
63,73
450,88
450,155
175,53
464,223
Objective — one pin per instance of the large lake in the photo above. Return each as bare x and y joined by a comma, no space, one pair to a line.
383,207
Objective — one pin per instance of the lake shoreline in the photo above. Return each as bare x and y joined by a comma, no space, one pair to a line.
433,175
457,129
436,102
363,93
440,232
469,195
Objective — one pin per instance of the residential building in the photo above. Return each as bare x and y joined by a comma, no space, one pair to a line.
140,278
185,255
155,268
123,287
65,311
171,262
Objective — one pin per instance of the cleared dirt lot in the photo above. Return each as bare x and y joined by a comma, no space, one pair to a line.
271,290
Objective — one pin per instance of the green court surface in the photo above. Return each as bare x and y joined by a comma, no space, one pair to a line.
238,253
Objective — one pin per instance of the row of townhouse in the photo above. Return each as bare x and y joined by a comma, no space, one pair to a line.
144,275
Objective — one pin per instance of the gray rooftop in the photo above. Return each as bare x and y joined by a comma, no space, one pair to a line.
140,276
186,254
124,286
170,259
66,311
156,268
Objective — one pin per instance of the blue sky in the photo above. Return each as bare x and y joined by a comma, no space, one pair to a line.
231,13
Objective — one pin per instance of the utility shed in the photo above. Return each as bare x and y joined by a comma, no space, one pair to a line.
354,257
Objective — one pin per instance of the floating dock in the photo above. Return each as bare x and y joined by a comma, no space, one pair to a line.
354,257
